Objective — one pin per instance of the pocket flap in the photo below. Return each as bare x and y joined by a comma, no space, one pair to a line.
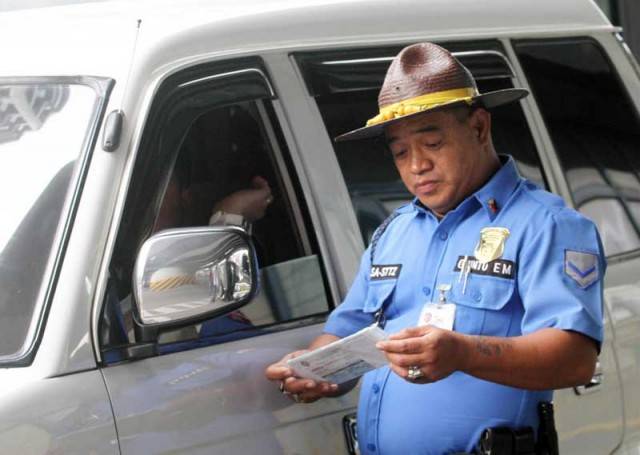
379,293
487,293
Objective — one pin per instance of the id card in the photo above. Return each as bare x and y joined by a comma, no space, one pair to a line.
439,315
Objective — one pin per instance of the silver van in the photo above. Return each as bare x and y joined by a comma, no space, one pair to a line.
129,325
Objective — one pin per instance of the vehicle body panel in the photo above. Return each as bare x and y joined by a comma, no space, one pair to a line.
216,398
70,414
102,33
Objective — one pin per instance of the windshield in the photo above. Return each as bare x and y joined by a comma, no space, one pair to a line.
43,129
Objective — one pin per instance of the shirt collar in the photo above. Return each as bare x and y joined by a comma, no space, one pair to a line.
494,194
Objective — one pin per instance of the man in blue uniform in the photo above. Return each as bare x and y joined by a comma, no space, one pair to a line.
490,287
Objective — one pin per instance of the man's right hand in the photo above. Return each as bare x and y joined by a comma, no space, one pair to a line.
299,389
251,203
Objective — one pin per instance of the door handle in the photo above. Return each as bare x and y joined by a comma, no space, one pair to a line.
593,385
349,425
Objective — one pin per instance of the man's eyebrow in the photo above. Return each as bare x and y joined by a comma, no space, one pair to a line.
424,129
427,129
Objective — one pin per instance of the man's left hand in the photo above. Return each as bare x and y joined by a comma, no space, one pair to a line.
435,352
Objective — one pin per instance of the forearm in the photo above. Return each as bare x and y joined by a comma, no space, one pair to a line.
547,359
322,340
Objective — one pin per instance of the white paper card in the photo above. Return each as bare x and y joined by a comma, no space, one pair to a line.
344,359
439,315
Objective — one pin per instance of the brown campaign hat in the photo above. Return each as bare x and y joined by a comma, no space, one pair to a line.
424,77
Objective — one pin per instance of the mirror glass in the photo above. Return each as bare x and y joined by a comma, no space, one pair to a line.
183,274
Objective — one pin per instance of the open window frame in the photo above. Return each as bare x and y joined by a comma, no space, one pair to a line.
180,100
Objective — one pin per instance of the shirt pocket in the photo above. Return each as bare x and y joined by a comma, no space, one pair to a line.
483,309
379,293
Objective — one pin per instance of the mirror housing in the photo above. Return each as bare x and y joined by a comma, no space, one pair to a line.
184,276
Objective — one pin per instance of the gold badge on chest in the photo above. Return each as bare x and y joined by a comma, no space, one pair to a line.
491,244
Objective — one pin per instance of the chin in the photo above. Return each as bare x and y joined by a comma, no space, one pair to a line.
434,207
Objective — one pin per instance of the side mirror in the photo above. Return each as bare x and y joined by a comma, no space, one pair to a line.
184,276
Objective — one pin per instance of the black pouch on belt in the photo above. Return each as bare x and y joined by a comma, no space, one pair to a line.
507,441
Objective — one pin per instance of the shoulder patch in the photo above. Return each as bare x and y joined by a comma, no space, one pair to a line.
581,267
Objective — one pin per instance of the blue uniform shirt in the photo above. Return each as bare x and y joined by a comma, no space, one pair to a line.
549,275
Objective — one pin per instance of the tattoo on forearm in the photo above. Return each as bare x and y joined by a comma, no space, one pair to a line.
483,347
491,347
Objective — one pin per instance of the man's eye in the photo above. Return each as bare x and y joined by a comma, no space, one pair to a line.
398,153
433,145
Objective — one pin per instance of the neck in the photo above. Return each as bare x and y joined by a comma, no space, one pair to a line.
491,166
488,168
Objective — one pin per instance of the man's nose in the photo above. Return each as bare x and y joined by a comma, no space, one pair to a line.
420,162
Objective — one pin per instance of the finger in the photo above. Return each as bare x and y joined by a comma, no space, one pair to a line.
309,388
406,360
280,370
321,390
277,371
403,346
260,194
259,182
410,332
296,385
404,374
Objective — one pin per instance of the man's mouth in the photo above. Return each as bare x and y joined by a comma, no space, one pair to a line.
426,187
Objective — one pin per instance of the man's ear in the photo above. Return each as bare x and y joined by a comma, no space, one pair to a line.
480,122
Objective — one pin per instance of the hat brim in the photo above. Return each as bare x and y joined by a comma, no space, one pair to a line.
487,100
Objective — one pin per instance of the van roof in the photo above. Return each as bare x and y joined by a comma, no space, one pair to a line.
98,38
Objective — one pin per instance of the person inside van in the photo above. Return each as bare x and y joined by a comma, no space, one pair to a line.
240,208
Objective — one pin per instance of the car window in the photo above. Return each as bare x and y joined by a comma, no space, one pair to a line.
225,150
45,126
345,85
595,131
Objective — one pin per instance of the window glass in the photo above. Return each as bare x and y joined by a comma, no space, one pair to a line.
228,161
43,128
595,131
345,84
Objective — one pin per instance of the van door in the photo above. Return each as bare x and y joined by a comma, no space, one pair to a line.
212,142
594,130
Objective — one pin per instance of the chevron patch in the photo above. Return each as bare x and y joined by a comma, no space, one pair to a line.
581,267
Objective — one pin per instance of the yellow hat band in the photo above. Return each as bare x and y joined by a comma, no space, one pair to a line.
422,103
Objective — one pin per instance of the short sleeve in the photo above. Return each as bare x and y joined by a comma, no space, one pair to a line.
349,316
560,276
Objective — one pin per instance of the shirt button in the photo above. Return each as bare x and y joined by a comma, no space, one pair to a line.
426,290
477,296
375,388
443,235
371,447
